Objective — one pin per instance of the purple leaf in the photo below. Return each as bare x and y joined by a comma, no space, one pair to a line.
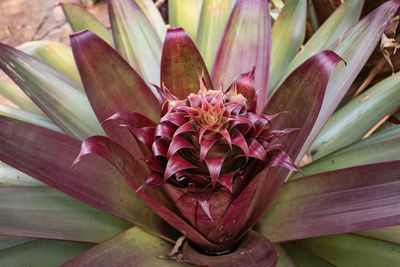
182,64
246,43
175,164
47,156
153,196
354,199
112,85
214,165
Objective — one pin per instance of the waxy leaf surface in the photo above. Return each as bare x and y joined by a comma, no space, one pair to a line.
336,202
246,43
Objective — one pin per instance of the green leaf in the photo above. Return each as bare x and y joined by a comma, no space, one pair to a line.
185,14
136,39
14,94
8,242
354,199
28,117
59,97
44,212
391,234
80,19
351,250
355,48
153,15
357,154
337,24
56,55
284,259
213,18
133,247
41,253
352,121
287,36
13,177
303,258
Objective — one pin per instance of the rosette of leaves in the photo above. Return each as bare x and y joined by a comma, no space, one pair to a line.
172,149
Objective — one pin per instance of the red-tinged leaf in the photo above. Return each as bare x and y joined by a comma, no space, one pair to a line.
214,165
182,64
160,147
254,250
128,167
112,85
272,135
244,84
187,127
178,143
133,247
354,199
204,201
153,179
43,212
175,118
226,180
133,119
47,156
205,146
175,164
281,159
246,43
227,136
301,96
256,150
164,130
238,140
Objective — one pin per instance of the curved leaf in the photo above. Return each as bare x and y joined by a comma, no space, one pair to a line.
246,43
133,247
43,212
43,253
48,156
287,36
213,18
59,97
182,65
185,14
112,85
79,19
56,55
136,39
254,250
336,202
351,122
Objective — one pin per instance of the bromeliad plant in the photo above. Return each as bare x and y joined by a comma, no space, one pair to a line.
206,153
